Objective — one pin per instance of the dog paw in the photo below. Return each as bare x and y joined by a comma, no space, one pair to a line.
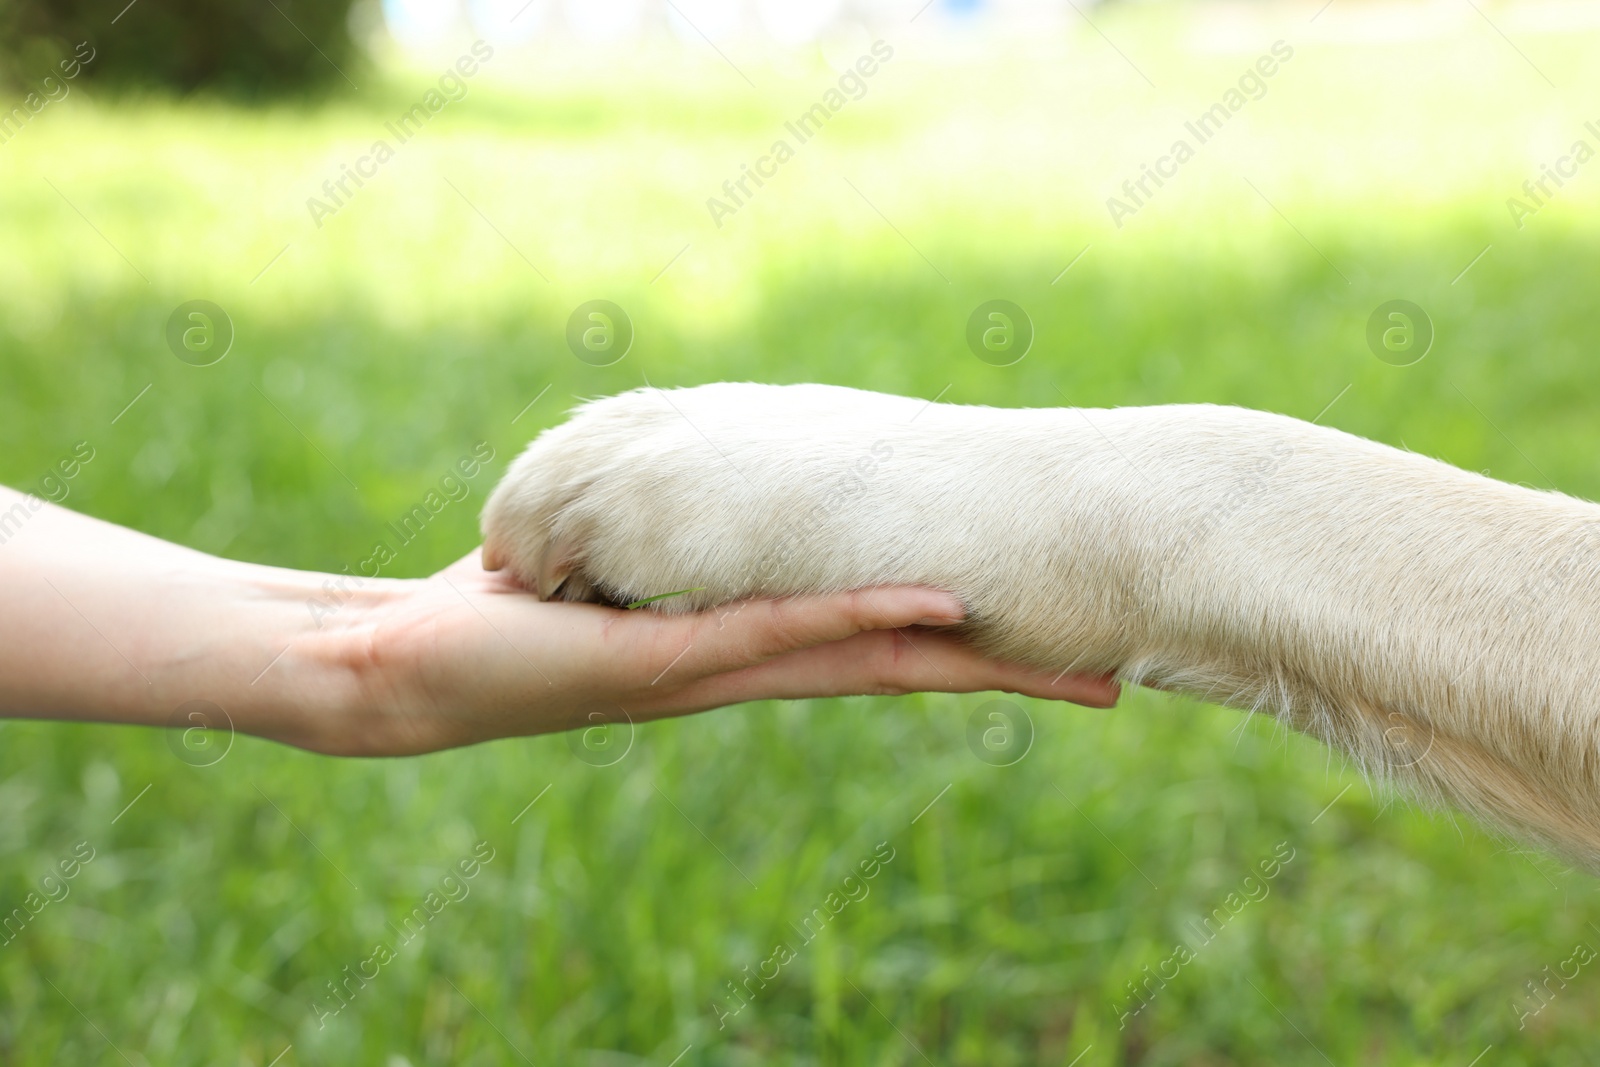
711,493
717,493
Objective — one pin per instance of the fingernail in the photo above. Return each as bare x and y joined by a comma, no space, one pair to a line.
942,620
1112,699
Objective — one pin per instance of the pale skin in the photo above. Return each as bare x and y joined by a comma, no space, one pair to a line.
101,623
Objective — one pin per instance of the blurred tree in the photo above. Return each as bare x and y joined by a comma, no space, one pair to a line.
243,48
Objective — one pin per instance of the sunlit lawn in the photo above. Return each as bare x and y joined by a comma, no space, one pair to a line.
619,911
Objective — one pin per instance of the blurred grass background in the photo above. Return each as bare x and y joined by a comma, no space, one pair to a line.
428,314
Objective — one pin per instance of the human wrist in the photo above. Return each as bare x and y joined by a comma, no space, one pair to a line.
285,660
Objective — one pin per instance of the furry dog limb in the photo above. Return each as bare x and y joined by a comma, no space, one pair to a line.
1437,625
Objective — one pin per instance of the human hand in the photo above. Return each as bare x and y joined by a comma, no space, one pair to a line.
467,656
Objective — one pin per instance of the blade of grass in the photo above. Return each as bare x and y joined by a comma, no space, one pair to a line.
662,596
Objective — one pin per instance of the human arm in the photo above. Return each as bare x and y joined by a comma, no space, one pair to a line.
102,623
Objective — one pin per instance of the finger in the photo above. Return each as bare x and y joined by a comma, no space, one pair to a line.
891,663
753,631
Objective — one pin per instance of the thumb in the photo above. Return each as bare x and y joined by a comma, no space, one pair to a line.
470,564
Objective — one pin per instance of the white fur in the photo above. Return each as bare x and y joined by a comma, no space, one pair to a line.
1438,625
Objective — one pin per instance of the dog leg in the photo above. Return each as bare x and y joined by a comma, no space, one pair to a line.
1435,624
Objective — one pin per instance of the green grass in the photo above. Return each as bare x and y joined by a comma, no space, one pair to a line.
380,348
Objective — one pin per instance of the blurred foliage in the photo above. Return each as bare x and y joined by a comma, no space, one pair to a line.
380,344
239,48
